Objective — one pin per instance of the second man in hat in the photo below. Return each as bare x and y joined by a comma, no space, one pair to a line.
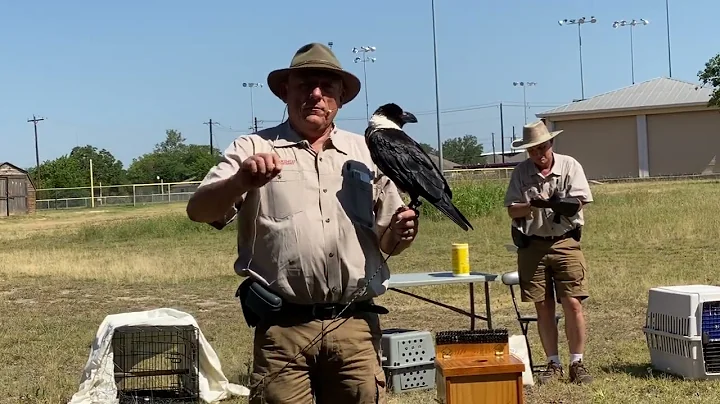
551,264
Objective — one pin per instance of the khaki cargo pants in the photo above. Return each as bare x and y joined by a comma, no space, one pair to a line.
343,367
547,266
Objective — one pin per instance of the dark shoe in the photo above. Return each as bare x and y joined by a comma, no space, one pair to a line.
553,372
578,373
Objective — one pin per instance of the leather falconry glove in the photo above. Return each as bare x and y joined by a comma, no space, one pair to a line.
561,206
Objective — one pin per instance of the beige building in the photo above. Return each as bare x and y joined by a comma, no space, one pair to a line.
660,127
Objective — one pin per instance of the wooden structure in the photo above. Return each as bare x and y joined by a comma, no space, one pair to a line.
17,191
479,371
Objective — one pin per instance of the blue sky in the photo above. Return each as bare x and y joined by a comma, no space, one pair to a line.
118,74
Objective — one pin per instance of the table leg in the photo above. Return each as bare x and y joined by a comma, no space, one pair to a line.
435,302
488,313
472,306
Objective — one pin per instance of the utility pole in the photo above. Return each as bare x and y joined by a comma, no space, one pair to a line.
502,147
210,124
35,121
256,124
493,146
502,133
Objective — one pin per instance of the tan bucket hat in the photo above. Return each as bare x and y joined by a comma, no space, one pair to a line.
315,56
534,134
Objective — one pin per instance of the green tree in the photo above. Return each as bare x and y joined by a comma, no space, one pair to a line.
463,150
73,170
711,75
62,172
106,168
173,141
428,149
173,161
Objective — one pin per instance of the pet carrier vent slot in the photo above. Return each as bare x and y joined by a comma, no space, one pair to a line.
668,323
670,345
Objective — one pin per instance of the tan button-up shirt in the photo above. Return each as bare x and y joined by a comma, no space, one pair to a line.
312,234
566,178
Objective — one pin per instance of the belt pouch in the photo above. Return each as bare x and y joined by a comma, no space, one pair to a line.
257,302
519,239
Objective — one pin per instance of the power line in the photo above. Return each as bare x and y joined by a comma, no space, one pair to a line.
35,121
421,113
456,110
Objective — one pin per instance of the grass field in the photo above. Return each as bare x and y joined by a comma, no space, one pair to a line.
61,273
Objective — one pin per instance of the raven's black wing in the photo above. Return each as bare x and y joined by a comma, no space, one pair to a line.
403,160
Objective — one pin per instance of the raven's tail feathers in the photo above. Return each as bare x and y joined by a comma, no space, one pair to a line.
450,210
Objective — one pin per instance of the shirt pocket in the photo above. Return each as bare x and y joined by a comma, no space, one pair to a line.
282,197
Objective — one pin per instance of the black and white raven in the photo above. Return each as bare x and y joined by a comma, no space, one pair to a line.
402,159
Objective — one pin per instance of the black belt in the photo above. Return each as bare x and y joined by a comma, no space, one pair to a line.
327,311
552,238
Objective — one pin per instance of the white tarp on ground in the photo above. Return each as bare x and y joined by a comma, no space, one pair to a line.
98,381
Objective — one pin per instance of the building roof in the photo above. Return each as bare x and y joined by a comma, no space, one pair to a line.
658,92
11,165
446,163
500,153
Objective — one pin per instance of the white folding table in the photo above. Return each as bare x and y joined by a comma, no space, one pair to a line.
405,280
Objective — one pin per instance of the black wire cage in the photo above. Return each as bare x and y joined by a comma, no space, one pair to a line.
157,364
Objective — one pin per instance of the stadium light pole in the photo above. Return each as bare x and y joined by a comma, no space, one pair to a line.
251,86
437,90
524,85
631,24
667,23
364,50
579,22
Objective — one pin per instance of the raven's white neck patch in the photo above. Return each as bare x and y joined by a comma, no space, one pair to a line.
380,121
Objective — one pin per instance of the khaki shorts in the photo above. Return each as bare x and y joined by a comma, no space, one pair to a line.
545,267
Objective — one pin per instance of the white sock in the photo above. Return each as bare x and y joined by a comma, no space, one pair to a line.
554,358
575,357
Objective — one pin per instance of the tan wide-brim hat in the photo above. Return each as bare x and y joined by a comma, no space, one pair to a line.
533,135
315,56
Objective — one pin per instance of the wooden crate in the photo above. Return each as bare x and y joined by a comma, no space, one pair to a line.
479,379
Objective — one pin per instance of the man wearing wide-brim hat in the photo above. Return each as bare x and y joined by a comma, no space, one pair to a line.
545,198
312,215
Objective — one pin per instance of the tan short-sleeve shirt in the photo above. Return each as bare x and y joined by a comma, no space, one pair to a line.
566,178
316,226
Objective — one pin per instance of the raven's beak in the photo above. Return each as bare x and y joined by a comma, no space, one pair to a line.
408,118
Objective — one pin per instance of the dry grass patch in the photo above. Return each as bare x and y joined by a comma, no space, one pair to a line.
61,273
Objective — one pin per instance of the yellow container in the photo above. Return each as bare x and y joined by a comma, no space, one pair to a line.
460,259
